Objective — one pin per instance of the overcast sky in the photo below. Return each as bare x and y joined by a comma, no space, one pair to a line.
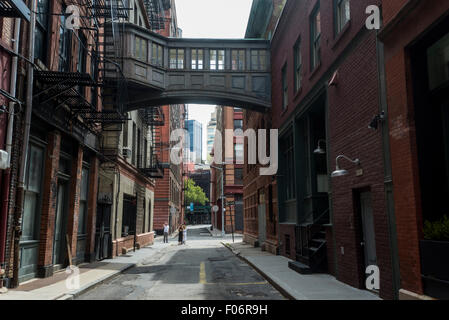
211,19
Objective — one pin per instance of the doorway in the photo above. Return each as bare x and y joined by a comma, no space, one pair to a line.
103,239
261,213
367,234
59,243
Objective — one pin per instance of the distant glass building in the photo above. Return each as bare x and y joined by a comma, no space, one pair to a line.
211,127
195,141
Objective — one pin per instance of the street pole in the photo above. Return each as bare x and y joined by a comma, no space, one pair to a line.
222,205
26,137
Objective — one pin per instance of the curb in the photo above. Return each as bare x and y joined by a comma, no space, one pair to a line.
278,287
74,294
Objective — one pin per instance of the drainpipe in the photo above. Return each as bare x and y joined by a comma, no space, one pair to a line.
7,172
26,137
388,178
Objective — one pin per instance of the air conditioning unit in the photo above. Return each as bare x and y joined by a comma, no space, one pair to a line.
127,152
4,160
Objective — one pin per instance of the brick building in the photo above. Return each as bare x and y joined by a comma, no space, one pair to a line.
58,187
229,118
260,192
126,187
415,38
10,21
325,93
168,192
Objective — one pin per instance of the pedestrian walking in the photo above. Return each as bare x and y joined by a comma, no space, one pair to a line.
184,234
180,234
166,230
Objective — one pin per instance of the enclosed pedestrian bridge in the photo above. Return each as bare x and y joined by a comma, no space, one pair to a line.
162,71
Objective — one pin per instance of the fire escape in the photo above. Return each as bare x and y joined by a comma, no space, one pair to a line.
63,92
156,13
154,118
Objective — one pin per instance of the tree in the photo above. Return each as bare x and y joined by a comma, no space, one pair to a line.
194,193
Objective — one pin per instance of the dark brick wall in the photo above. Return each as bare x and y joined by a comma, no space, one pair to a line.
351,105
408,211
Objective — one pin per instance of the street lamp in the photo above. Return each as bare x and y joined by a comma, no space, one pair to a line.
222,200
342,172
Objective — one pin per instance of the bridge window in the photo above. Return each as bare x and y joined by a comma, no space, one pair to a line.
315,27
258,60
284,88
176,58
217,59
157,56
197,59
298,65
141,49
238,59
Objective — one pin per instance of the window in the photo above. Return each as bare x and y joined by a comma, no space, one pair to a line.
342,14
197,59
125,134
238,59
82,219
238,176
176,58
238,124
33,180
141,49
298,65
284,88
65,42
239,153
217,59
258,60
134,144
82,58
41,33
288,150
157,57
315,29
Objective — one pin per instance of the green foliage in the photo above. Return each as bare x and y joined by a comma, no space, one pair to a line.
437,230
194,193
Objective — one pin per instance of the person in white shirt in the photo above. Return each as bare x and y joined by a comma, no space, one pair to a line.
166,229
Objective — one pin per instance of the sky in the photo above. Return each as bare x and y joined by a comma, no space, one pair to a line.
211,19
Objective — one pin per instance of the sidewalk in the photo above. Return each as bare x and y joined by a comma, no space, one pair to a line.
91,274
295,285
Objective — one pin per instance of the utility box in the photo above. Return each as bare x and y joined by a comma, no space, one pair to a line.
3,160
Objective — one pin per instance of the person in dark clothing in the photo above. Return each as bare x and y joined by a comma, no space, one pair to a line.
180,234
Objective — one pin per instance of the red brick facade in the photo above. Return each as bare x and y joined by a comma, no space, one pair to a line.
350,104
405,23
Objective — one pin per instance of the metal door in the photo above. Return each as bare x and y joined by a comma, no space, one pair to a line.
369,238
103,243
261,212
59,244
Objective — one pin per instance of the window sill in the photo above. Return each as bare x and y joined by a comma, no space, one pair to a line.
312,74
298,93
341,35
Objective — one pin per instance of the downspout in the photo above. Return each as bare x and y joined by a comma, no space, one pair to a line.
388,175
26,136
7,173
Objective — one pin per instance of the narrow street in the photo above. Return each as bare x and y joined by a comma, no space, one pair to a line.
202,269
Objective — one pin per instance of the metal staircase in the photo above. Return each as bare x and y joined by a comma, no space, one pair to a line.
311,248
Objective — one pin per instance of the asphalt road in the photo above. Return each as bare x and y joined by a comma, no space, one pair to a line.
203,269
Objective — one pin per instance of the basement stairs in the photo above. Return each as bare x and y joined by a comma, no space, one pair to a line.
311,249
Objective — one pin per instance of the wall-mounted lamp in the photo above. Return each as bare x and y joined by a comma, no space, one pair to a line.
320,150
342,172
374,124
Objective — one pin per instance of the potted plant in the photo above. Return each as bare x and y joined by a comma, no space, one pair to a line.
435,253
